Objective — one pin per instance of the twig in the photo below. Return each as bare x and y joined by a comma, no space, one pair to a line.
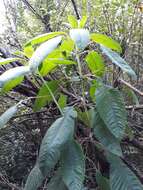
130,86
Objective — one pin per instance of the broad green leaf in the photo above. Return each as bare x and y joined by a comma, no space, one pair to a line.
85,116
119,61
57,181
67,45
28,51
7,115
95,63
82,22
34,179
61,61
62,101
81,37
56,139
8,60
104,136
73,21
102,181
106,41
43,51
110,105
11,84
44,37
13,73
73,166
44,97
121,177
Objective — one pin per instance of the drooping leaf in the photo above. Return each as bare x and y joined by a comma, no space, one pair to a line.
111,108
102,181
73,166
106,41
82,22
8,60
7,115
56,139
44,37
44,97
13,73
73,21
34,179
104,136
95,63
119,61
11,84
81,37
43,51
57,181
121,177
62,101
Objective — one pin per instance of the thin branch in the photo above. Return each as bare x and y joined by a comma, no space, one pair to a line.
75,9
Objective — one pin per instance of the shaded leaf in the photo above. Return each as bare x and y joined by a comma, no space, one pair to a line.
34,179
121,177
73,166
44,97
56,139
104,136
119,61
111,108
95,63
106,41
7,115
102,181
62,101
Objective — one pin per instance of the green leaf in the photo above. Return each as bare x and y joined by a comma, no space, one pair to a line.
28,51
61,61
73,21
44,37
43,51
130,95
56,139
11,84
85,116
34,179
121,177
73,166
83,22
67,45
104,136
6,116
119,61
95,63
57,181
44,97
81,37
62,101
106,41
13,73
102,181
8,60
110,105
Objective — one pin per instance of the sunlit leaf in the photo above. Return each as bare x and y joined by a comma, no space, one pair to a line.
81,37
13,73
43,51
73,21
82,22
95,63
106,41
7,115
8,60
62,101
